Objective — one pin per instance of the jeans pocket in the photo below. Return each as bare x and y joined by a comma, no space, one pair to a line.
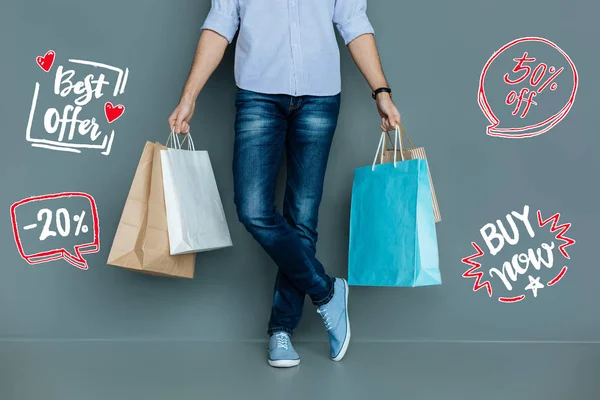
243,95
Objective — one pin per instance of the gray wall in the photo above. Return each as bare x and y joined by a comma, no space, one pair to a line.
433,54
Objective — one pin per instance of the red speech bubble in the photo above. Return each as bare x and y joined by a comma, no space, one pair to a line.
540,77
76,257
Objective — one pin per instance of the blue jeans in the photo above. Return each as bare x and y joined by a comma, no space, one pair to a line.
303,126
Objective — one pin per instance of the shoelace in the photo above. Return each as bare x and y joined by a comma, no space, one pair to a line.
282,341
325,316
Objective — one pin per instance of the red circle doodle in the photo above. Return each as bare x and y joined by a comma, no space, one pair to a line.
540,127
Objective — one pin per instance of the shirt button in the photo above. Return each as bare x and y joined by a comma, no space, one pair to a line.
293,24
295,45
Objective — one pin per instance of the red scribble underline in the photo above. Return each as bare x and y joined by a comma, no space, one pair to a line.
558,277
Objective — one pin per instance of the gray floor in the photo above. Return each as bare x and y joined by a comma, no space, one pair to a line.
91,370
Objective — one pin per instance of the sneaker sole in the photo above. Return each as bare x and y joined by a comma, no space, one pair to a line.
342,352
283,363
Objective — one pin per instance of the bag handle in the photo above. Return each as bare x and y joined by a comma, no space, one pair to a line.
398,124
173,139
188,136
397,139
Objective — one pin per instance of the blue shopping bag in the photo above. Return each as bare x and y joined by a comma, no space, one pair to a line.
393,238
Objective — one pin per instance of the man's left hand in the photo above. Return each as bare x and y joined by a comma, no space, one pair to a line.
388,112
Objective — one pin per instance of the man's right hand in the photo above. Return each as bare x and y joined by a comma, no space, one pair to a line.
209,53
179,121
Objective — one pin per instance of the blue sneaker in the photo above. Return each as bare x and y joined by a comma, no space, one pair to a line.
281,351
335,316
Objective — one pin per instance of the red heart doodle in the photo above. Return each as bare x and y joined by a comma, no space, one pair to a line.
113,112
46,62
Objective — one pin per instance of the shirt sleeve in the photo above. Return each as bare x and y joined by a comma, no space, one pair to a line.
350,18
223,18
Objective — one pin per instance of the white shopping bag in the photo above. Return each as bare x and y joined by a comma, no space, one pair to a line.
195,217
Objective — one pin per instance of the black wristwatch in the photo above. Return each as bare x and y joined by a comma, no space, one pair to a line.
381,89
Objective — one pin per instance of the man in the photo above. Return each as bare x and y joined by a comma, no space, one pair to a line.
287,70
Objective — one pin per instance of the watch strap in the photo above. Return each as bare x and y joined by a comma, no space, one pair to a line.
380,90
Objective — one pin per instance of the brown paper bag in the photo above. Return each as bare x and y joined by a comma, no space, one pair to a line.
142,242
410,153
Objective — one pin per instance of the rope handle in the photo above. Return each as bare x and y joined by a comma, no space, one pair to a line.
397,140
402,130
173,139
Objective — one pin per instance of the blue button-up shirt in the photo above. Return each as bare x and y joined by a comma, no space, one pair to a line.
288,46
